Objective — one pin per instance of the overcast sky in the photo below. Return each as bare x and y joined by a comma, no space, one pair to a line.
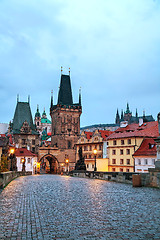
111,46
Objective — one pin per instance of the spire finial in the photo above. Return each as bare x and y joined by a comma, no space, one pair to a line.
51,98
80,96
69,71
61,70
17,98
29,99
136,113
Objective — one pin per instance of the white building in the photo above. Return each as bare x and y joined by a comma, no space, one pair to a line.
145,156
22,154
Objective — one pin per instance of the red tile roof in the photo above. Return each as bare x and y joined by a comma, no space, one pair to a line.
88,134
105,133
147,148
24,153
149,129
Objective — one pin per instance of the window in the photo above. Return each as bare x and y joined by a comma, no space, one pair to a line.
95,146
146,161
121,169
33,149
87,166
23,141
139,161
37,123
90,148
113,152
153,161
29,160
129,141
33,142
121,151
69,145
100,147
89,156
92,165
113,161
114,142
85,148
122,142
128,161
113,169
99,155
121,161
128,151
127,170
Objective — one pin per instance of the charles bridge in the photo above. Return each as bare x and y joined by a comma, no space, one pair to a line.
64,207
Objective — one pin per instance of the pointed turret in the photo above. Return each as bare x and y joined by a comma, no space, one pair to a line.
80,96
122,114
44,115
136,113
65,92
117,117
127,110
51,98
37,114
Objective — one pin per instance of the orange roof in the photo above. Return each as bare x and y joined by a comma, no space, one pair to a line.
88,134
24,153
149,129
147,148
105,133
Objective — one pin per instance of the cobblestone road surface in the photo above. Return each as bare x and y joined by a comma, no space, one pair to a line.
61,207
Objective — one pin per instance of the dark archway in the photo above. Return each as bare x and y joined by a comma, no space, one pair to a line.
49,164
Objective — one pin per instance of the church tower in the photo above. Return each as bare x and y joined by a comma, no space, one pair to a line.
65,117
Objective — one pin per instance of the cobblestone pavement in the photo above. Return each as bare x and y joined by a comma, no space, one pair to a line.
61,207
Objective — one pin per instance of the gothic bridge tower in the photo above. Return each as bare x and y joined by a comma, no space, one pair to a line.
65,115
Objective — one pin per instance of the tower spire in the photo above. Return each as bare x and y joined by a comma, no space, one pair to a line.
17,98
80,96
51,98
122,114
136,113
69,71
61,70
29,99
117,117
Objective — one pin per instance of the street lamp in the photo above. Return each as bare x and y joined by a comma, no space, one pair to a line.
23,164
11,151
67,162
95,153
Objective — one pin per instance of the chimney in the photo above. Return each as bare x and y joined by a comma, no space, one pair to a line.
123,124
140,122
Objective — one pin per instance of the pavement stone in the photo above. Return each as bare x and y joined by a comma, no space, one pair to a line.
62,207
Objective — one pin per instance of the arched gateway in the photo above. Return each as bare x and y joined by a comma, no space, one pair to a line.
49,164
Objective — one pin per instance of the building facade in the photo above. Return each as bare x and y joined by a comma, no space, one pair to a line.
65,117
22,128
146,155
89,141
29,159
125,141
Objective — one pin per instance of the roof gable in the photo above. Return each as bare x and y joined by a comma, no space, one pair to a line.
147,148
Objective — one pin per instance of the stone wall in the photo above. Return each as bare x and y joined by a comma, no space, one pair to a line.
121,177
6,177
151,179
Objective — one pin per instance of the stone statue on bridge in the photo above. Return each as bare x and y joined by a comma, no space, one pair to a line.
80,165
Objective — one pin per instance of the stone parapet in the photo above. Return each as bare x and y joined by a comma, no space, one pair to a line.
7,177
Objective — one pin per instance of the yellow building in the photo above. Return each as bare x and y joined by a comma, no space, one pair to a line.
123,143
90,141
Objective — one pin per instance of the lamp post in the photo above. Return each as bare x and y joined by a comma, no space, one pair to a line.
95,153
11,151
23,165
67,163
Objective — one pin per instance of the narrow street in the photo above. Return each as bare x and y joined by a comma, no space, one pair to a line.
61,207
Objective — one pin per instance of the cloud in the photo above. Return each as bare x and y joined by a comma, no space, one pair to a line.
111,46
